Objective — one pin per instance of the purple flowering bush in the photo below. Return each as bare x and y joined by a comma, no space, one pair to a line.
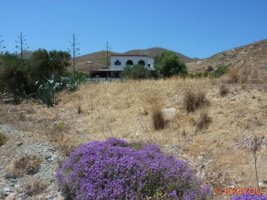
249,197
115,169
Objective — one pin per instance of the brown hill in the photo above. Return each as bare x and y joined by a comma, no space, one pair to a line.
153,52
251,55
99,59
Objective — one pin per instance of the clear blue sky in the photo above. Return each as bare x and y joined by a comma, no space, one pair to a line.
196,28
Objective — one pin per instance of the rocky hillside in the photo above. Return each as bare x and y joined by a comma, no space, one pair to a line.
251,55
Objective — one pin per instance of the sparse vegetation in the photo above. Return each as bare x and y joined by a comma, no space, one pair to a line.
26,165
3,139
253,144
220,71
203,121
194,99
59,135
223,90
34,186
157,118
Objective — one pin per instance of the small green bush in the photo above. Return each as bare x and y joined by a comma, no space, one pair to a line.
220,71
136,72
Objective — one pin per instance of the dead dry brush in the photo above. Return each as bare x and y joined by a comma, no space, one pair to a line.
195,99
34,186
203,121
26,165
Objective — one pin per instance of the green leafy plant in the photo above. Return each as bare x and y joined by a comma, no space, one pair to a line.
220,71
136,72
168,64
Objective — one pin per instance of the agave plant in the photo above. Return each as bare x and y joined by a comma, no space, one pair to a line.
46,91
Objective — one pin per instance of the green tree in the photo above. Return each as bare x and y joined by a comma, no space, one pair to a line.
59,61
168,64
136,72
44,63
40,64
14,77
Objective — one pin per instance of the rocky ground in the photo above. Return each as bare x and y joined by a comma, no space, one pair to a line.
19,144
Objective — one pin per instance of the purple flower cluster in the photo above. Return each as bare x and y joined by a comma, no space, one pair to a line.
249,197
115,169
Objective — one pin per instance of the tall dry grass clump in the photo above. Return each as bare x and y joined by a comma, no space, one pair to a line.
157,118
3,139
223,90
203,121
194,99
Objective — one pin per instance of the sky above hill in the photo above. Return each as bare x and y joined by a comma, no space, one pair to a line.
196,28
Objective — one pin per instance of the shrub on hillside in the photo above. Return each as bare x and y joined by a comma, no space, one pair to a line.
168,64
203,121
113,169
26,165
136,72
157,118
220,71
194,100
223,90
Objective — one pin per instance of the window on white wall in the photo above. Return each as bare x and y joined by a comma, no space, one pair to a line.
141,62
129,62
117,62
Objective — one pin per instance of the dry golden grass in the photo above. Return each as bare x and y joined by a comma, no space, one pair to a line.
124,110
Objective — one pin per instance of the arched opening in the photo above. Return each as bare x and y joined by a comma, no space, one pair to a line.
141,62
117,62
129,62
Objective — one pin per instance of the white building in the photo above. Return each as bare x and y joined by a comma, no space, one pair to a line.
120,61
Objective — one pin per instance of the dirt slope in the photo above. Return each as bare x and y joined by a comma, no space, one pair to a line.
251,55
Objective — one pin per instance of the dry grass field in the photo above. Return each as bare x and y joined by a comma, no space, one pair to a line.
212,138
